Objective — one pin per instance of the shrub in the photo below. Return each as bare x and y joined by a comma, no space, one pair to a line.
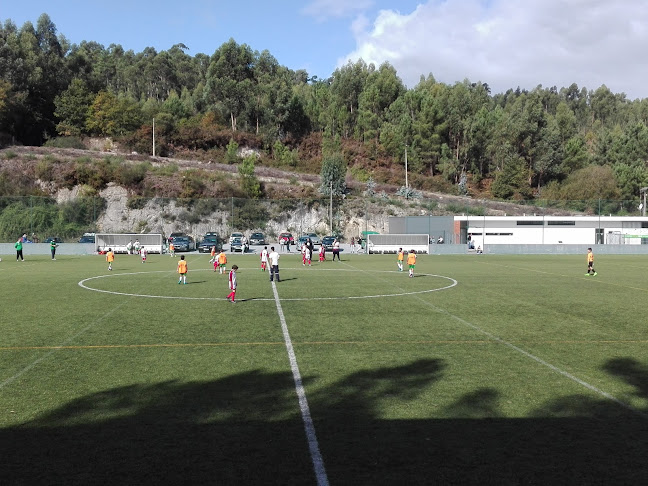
66,142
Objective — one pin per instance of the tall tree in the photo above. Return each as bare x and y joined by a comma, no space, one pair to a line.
72,107
230,79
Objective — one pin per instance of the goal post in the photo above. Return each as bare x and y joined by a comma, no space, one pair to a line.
391,243
153,242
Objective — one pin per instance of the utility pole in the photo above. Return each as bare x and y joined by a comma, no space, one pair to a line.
153,137
643,191
406,184
331,205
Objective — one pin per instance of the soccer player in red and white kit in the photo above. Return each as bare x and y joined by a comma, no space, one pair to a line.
264,258
232,284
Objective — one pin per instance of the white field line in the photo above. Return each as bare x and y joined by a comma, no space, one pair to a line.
84,285
59,347
534,358
309,427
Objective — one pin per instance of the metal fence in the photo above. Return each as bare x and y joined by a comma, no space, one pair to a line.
69,218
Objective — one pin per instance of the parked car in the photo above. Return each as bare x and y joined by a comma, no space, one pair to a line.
286,238
238,245
327,241
54,239
184,243
173,236
87,239
314,238
236,234
257,239
207,242
301,241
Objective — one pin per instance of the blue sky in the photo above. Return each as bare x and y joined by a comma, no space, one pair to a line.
505,43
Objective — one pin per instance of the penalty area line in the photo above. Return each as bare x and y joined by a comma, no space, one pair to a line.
309,426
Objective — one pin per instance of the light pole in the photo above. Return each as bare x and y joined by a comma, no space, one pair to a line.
643,191
331,205
406,184
153,137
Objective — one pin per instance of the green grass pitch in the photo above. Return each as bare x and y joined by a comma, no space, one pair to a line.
482,369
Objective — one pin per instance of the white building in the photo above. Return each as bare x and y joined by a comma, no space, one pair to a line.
551,230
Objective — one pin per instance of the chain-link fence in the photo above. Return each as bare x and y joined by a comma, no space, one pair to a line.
69,218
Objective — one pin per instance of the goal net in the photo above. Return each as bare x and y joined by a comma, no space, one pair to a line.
154,243
391,243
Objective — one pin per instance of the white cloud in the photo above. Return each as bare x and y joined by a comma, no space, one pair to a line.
324,9
508,43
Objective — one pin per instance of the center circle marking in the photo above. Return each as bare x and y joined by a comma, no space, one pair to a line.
82,284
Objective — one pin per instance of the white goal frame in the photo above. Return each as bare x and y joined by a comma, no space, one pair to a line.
154,242
420,243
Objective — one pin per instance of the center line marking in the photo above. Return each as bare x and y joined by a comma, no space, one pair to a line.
309,427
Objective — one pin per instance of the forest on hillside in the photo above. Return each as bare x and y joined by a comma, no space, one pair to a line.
561,144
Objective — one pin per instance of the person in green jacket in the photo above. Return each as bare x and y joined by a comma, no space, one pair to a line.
18,247
53,247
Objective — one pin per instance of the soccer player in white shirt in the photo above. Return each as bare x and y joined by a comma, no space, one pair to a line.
274,264
264,258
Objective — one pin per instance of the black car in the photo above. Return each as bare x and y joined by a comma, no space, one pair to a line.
208,242
257,239
327,242
54,239
87,239
184,243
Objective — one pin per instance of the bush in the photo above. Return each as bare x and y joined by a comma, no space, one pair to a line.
66,142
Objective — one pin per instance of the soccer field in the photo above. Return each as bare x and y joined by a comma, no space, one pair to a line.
482,369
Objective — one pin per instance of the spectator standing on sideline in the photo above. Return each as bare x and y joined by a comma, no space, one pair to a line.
232,284
182,270
336,250
274,264
19,249
53,247
353,244
110,258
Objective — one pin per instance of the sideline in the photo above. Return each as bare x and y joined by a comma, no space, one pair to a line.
309,426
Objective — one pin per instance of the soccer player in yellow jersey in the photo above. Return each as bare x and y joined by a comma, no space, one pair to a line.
110,258
182,270
411,262
222,262
590,263
400,259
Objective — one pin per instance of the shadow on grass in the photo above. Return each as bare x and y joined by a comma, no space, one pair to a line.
246,429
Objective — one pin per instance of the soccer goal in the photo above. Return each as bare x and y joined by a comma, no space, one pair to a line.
391,243
119,242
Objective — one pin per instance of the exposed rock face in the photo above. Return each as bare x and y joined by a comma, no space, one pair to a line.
159,215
